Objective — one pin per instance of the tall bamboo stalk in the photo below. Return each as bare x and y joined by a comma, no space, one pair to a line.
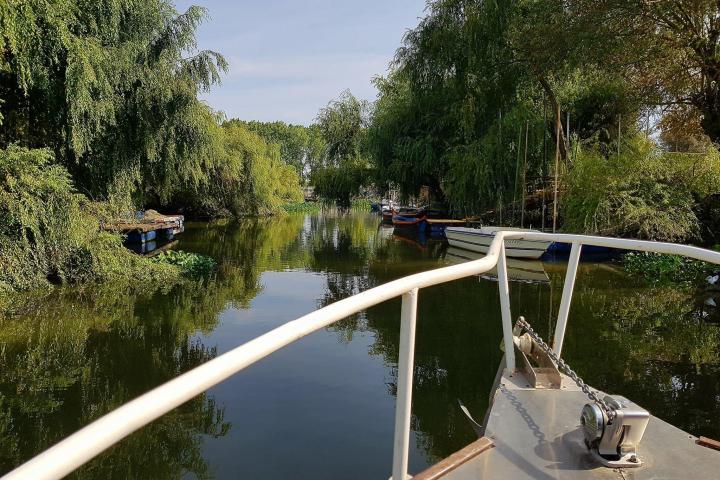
543,164
524,176
558,127
567,139
517,166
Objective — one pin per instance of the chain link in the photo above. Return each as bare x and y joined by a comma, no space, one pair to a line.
565,368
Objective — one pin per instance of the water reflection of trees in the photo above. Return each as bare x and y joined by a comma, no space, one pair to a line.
67,362
70,356
457,343
657,345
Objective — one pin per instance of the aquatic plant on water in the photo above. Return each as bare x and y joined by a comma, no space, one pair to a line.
302,207
192,264
663,268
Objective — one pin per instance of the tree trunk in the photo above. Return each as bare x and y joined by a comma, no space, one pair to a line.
554,124
709,106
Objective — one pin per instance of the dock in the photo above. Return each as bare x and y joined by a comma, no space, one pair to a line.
147,227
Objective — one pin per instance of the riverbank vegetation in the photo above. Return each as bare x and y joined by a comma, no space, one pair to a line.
482,97
51,233
99,117
490,107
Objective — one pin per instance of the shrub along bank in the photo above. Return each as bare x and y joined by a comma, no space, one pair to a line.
643,192
99,116
49,233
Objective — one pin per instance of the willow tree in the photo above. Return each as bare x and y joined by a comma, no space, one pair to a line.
111,86
448,115
344,168
666,51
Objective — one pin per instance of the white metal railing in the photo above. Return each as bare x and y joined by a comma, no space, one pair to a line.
82,446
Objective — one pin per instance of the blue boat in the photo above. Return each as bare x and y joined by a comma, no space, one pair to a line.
409,221
560,249
138,237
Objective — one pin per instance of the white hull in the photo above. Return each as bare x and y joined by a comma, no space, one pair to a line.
479,240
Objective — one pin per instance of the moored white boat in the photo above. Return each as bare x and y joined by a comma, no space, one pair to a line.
479,240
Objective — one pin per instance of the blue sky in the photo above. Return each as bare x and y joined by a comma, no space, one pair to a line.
289,58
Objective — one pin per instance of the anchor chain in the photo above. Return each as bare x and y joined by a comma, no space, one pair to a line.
565,368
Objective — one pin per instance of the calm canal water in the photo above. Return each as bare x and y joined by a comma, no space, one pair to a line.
323,407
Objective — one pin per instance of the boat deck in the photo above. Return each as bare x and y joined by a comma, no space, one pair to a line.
536,435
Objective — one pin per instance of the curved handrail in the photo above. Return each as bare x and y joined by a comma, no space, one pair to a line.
80,447
697,253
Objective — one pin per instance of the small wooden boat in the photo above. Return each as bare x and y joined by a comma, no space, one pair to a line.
410,212
147,226
409,221
478,240
437,226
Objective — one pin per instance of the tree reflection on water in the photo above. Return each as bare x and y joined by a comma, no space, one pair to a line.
72,355
659,345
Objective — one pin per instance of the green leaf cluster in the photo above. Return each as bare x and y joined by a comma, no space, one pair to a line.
50,234
642,192
300,146
245,176
345,166
663,268
192,264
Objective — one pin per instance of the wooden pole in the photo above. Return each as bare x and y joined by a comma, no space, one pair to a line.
524,176
517,166
543,164
567,137
558,127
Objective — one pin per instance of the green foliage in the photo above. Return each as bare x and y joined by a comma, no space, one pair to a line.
300,146
340,183
192,264
449,116
641,193
665,52
50,233
663,268
471,76
361,205
345,167
595,99
110,87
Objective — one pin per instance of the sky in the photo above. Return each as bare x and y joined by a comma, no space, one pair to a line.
289,58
